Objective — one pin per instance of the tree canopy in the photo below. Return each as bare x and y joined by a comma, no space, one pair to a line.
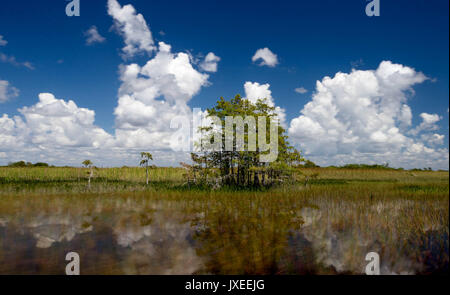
242,165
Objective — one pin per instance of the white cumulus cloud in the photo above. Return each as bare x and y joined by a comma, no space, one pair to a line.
133,27
52,130
255,91
93,36
433,139
428,123
55,122
209,64
267,57
7,91
301,90
363,116
150,96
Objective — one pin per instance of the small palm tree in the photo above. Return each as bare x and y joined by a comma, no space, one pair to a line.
146,157
90,165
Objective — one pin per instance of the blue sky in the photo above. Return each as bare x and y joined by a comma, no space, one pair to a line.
311,39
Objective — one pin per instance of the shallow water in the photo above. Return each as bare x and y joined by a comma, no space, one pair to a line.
123,235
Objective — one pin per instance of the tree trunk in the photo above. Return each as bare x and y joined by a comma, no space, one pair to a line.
256,179
146,174
90,176
263,177
206,167
248,172
238,174
232,167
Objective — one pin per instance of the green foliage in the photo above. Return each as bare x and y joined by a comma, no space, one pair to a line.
19,164
242,166
87,163
27,164
424,169
41,165
308,164
146,157
365,166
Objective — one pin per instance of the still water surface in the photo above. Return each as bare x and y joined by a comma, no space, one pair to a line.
120,235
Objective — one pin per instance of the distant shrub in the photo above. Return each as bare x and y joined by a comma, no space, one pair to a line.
21,164
41,165
424,169
308,164
366,166
18,164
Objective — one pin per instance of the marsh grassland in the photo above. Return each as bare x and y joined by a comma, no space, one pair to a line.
122,226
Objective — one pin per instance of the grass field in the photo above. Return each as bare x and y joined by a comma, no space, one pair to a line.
120,225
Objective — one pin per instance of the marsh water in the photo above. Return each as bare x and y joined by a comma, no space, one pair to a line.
122,234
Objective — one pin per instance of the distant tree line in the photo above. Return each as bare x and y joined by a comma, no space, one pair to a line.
27,164
304,164
366,166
